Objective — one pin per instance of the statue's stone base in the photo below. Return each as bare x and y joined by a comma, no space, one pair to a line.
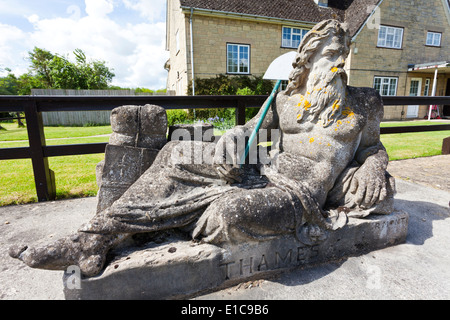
182,269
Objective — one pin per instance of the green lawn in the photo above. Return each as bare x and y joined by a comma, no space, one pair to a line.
413,145
411,123
13,133
75,175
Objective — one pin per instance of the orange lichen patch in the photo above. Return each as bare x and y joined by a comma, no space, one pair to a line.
335,105
334,69
304,103
307,104
311,140
348,112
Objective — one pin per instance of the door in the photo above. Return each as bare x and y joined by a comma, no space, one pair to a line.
415,89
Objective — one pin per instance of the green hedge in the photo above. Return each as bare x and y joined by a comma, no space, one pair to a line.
224,85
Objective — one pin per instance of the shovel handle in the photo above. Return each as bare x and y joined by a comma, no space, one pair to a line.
260,121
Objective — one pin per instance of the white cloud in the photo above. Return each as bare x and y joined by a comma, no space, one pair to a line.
135,51
12,48
152,10
99,8
33,18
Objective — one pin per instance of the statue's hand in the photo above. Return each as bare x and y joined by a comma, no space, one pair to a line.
369,185
228,153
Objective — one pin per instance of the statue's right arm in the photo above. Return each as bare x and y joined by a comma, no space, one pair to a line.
231,145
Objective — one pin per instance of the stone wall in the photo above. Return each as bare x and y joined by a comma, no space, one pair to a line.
177,78
210,37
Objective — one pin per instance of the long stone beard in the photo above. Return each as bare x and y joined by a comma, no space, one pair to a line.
324,98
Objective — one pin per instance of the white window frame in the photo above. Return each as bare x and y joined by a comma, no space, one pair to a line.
433,39
387,85
388,34
240,50
289,42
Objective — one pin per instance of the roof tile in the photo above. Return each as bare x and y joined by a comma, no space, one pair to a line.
300,10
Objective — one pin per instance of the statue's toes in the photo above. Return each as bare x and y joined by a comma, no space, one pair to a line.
16,250
53,257
92,265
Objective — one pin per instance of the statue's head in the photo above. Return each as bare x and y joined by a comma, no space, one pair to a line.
318,68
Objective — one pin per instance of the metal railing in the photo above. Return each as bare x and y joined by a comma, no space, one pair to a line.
39,152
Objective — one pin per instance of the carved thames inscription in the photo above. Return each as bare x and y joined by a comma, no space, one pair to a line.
269,260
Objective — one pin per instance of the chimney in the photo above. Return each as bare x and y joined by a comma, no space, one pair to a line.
321,3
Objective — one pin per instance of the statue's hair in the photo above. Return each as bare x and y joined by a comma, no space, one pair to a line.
309,45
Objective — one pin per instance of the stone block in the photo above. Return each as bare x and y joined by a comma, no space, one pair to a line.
121,168
179,269
139,132
139,126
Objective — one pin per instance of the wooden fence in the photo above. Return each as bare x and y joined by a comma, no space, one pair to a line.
80,118
39,152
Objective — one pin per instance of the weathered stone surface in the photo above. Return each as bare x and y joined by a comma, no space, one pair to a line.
180,268
139,126
139,132
120,169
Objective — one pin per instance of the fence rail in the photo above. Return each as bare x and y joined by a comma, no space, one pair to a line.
39,152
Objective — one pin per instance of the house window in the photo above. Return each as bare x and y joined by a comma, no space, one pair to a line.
284,84
390,37
433,39
386,86
238,58
292,37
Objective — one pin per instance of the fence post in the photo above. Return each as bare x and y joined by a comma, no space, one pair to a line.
44,177
240,113
446,146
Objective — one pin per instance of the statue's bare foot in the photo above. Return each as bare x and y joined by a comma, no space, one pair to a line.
88,251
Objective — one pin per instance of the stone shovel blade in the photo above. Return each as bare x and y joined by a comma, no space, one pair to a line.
278,70
281,67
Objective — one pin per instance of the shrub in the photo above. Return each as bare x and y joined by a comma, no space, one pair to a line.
229,85
176,117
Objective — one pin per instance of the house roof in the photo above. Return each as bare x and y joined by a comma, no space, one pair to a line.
354,12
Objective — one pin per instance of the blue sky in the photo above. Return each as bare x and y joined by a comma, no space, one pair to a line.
128,34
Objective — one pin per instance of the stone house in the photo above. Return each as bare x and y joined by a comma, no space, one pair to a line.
398,47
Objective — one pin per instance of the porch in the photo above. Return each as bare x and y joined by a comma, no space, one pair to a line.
428,79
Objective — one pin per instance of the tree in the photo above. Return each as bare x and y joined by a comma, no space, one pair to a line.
58,72
40,65
8,84
54,71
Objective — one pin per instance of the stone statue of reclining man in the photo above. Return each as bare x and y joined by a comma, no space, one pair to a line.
329,164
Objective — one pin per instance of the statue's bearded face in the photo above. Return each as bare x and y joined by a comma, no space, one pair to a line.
326,83
319,76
